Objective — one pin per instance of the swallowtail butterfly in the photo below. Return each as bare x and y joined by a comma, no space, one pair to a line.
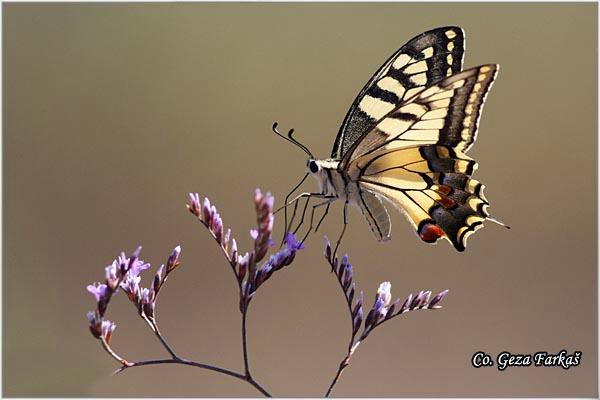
404,141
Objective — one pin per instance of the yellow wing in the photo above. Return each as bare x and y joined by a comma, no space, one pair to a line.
446,113
415,158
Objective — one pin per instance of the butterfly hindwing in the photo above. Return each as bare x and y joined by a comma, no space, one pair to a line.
446,113
431,185
423,61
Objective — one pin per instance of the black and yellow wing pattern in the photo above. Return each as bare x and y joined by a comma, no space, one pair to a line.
414,155
422,61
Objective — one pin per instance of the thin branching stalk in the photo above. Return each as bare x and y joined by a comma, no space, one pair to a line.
380,312
198,365
251,270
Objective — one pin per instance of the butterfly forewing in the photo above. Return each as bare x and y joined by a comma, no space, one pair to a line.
421,62
446,113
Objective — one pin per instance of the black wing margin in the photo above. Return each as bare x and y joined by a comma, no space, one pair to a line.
421,62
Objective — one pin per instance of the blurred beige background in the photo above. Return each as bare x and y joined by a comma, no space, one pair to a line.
114,112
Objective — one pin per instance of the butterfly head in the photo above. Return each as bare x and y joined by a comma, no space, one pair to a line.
316,169
313,166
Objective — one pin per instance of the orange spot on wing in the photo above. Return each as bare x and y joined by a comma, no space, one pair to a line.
444,189
430,232
446,202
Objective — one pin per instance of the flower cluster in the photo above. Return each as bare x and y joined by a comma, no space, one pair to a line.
208,215
124,273
381,310
251,269
250,275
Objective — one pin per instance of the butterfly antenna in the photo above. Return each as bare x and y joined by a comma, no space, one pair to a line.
290,138
498,222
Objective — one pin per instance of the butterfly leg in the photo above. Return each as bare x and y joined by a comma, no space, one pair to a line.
288,226
323,217
287,197
295,202
295,199
343,230
327,202
302,217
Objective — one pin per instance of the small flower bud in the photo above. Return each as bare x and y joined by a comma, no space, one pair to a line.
226,239
173,260
416,301
131,287
384,293
108,327
351,293
425,300
433,303
234,250
405,304
194,205
327,248
391,309
95,323
347,277
100,291
357,321
112,275
157,282
206,211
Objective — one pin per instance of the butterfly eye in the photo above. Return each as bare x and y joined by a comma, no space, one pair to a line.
313,166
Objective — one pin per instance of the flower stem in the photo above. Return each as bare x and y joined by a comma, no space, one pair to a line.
114,355
163,341
345,362
244,343
182,361
343,365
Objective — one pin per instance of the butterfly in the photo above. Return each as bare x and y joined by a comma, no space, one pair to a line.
404,142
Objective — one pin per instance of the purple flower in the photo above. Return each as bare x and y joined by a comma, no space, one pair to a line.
107,328
384,292
327,248
437,299
406,304
93,318
347,277
194,205
157,281
234,250
95,321
226,238
100,291
131,286
277,261
145,295
137,266
264,217
357,320
173,260
379,308
243,263
146,302
285,256
206,208
112,270
291,243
